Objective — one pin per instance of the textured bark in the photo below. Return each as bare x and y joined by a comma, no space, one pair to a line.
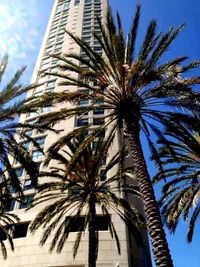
92,236
156,231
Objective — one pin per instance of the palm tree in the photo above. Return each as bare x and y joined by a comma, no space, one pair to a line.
74,194
7,220
139,95
181,191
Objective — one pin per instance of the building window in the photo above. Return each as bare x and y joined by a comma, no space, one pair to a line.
29,133
66,5
36,94
9,206
2,235
97,6
75,225
40,141
31,122
100,101
54,62
104,161
76,2
101,133
83,102
97,49
48,90
57,50
98,121
19,172
101,223
98,111
32,114
59,9
103,176
82,122
51,84
26,145
53,69
28,185
86,21
20,230
12,190
94,146
86,39
36,154
46,108
26,202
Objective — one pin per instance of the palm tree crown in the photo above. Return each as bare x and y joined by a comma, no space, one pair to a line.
77,192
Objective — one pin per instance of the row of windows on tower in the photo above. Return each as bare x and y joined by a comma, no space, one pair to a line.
90,25
73,225
85,121
79,121
77,2
23,204
91,1
44,109
27,186
56,35
39,140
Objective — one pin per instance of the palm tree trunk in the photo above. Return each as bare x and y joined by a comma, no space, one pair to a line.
156,231
92,235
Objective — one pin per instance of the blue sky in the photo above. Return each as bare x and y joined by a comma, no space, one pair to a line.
22,25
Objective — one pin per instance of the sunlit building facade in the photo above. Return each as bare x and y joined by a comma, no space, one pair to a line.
80,17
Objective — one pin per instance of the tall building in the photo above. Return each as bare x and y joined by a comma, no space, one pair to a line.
80,17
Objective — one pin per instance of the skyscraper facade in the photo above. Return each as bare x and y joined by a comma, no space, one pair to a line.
80,17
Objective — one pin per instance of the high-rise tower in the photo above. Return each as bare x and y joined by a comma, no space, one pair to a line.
80,17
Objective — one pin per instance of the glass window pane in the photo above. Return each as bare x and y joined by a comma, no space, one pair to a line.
40,141
82,122
20,230
101,223
94,146
19,172
51,84
103,175
9,206
26,202
26,145
76,2
75,225
98,121
37,154
2,235
28,185
84,102
29,133
98,111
